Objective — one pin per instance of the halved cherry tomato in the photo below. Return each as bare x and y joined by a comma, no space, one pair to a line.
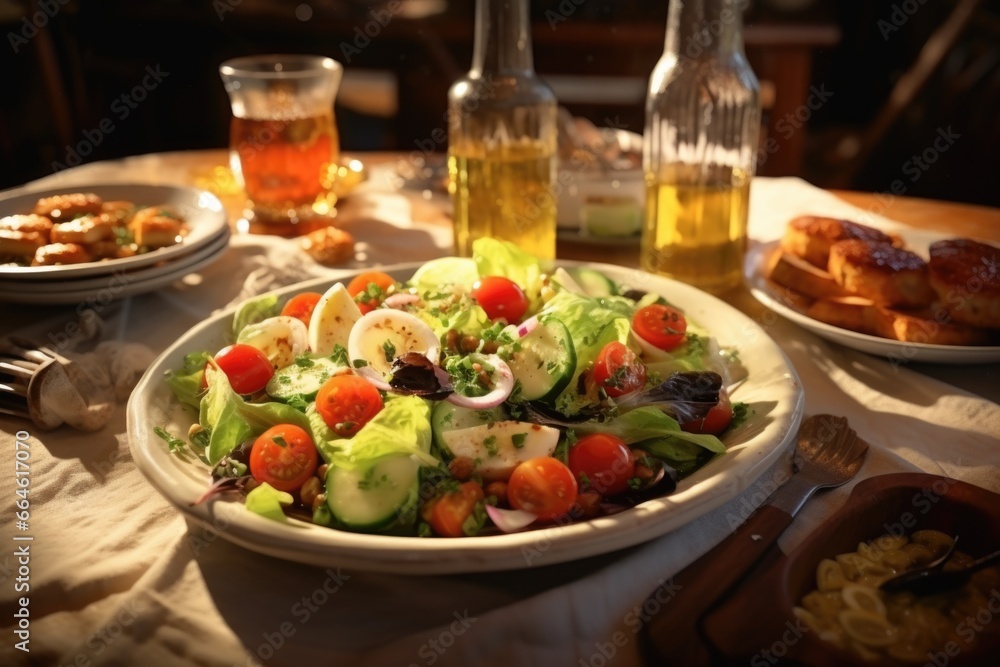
605,461
543,486
367,297
247,368
618,370
347,402
284,456
500,297
301,306
447,513
660,325
716,420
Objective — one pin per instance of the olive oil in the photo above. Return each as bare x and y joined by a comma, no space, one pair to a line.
694,231
504,192
502,138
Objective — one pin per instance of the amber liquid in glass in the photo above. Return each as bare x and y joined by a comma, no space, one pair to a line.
287,166
695,226
505,192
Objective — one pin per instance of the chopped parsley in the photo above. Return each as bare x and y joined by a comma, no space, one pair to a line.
339,355
390,350
518,439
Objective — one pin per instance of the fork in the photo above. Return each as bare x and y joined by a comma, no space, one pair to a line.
828,453
39,384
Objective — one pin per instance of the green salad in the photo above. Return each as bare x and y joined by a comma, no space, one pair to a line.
477,396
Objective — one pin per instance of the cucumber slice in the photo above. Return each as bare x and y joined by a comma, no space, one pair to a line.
544,361
380,497
301,380
449,417
593,282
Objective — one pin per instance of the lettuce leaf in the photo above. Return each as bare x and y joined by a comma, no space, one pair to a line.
592,324
253,311
267,501
648,423
230,420
186,383
436,273
403,426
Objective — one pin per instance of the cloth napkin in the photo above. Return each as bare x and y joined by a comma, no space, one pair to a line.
119,578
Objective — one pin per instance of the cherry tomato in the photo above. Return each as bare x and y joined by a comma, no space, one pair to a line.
716,420
301,306
660,325
247,368
367,297
284,456
447,513
617,370
543,486
605,460
500,297
347,402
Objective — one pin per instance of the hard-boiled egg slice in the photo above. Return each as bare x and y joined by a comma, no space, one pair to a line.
280,338
380,336
332,320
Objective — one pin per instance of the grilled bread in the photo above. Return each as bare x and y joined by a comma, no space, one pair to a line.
810,237
20,244
67,207
879,271
799,275
155,227
966,276
85,230
926,325
22,235
61,253
847,312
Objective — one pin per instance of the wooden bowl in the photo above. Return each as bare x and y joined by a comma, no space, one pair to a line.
756,622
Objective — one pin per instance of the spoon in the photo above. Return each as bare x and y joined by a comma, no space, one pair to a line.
928,581
902,581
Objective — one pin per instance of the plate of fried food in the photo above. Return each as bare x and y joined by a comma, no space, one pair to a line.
59,245
908,296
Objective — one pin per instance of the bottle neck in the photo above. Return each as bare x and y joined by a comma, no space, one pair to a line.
698,29
503,37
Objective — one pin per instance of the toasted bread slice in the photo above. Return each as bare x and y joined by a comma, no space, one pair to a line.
85,230
156,227
966,276
27,224
927,325
20,244
810,237
847,312
797,274
879,271
61,253
67,207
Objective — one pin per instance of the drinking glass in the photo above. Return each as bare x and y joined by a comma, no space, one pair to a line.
283,142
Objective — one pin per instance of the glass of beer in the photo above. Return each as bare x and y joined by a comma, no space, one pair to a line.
283,142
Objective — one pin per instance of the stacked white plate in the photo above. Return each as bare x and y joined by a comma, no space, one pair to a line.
107,280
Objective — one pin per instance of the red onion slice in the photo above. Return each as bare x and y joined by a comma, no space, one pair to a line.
400,299
510,521
527,326
501,390
374,377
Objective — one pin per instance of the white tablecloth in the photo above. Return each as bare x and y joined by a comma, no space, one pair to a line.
117,577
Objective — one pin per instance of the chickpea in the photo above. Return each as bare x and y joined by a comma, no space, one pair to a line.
461,468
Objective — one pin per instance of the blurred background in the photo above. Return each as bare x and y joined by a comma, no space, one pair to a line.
859,94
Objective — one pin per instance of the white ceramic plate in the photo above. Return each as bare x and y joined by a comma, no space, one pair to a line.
772,389
755,269
116,286
203,211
